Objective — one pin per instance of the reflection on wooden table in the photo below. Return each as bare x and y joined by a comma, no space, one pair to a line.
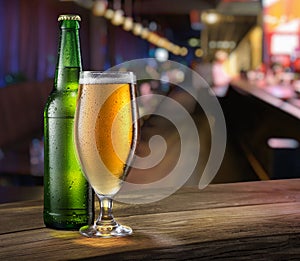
250,220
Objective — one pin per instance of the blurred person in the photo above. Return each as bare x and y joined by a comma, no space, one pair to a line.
220,78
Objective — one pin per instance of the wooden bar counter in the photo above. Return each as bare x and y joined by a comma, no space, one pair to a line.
272,95
237,221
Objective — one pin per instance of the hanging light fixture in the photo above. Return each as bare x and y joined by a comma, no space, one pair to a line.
128,23
145,33
137,29
183,51
176,50
109,14
99,7
152,38
118,17
210,17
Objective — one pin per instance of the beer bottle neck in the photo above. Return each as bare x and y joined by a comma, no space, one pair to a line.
69,57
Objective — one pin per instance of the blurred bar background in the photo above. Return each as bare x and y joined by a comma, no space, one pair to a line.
261,105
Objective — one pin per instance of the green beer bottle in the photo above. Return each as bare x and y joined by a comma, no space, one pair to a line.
68,199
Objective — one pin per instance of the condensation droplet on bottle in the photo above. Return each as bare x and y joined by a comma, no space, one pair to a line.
70,187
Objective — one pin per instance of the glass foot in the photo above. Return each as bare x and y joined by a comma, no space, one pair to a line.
105,231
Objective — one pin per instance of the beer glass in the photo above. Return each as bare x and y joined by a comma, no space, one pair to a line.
106,133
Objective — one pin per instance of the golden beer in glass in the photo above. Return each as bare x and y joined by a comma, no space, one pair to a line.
106,133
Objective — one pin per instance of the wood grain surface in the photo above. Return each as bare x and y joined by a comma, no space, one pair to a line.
238,221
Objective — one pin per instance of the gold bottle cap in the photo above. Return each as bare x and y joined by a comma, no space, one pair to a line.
69,17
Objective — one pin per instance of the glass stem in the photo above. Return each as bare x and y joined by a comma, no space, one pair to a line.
106,217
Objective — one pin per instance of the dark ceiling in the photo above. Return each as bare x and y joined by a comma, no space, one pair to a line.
237,17
178,7
233,7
